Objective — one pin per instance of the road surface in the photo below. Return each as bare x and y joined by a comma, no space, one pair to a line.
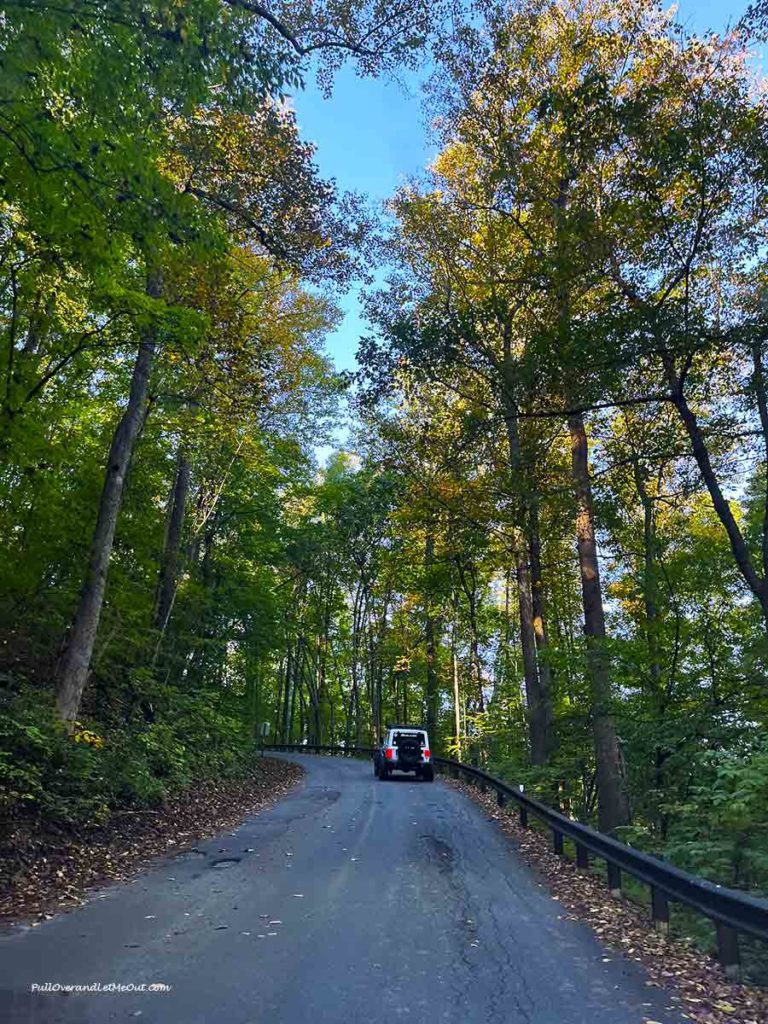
351,901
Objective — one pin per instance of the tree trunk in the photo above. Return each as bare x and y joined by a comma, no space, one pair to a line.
612,800
281,677
759,386
296,686
477,668
468,580
75,663
432,694
322,670
169,564
285,736
539,605
456,692
313,711
252,694
356,626
537,731
650,589
756,583
531,599
358,720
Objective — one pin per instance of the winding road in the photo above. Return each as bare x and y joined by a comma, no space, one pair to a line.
349,901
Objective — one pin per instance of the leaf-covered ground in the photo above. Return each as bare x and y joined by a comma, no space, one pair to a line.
695,981
41,873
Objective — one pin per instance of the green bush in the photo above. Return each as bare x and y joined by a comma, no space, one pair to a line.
721,830
75,780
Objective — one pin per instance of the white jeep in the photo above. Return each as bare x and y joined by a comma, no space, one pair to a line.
404,748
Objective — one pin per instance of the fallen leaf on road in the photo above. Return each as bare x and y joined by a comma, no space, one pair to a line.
50,871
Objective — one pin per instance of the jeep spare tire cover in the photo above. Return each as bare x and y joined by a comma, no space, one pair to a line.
409,750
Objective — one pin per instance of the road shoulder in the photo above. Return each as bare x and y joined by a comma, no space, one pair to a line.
44,874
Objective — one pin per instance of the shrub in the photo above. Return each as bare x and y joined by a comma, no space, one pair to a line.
721,830
70,780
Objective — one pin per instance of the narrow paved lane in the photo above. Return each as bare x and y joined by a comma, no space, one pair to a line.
349,902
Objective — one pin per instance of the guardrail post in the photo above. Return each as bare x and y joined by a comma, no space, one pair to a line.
500,799
614,879
582,857
728,950
660,911
523,816
557,842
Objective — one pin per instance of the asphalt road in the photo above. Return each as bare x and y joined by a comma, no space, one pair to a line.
349,901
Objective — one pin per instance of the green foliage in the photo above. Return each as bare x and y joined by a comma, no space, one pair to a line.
64,780
721,830
54,777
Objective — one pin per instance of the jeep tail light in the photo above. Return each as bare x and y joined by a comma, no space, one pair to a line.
389,753
426,755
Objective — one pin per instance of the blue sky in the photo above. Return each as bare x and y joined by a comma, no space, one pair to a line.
370,136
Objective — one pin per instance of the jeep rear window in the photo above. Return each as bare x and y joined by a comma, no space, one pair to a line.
408,736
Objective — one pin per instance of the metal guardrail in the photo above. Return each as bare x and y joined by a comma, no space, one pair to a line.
305,748
731,911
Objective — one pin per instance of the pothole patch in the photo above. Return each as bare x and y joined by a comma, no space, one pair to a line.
225,862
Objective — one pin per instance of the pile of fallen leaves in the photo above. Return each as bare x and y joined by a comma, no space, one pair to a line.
696,982
43,872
